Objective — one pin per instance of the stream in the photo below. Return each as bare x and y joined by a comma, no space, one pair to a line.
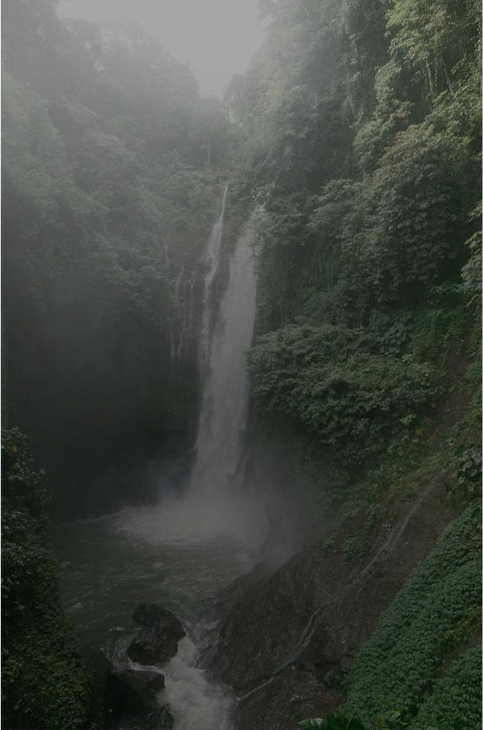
110,564
182,551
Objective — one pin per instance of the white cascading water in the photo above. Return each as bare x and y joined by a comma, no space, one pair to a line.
225,393
182,551
217,513
215,503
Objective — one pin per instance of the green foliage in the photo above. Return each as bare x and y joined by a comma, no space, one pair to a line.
466,483
471,272
430,37
356,548
3,379
352,400
469,624
455,700
341,721
337,721
43,681
412,218
403,655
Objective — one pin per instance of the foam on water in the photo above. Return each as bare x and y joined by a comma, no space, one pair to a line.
195,702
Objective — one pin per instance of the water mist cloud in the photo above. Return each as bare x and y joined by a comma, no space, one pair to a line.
217,37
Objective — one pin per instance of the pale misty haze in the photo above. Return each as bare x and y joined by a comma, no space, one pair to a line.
217,37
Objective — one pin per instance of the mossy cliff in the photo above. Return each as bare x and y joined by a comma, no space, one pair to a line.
360,128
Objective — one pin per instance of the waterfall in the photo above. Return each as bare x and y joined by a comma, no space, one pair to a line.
225,391
217,512
216,501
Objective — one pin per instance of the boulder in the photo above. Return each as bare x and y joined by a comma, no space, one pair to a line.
158,642
97,669
157,617
154,680
134,693
162,719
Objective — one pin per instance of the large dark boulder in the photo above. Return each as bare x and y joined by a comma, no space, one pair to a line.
154,616
154,680
134,702
158,642
131,691
161,719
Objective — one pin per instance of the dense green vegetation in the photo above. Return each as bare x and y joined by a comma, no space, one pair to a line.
361,146
435,612
357,138
361,143
112,178
43,677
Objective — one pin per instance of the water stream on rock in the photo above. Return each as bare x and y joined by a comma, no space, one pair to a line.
180,552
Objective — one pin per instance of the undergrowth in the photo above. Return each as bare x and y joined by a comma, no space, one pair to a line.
400,662
43,679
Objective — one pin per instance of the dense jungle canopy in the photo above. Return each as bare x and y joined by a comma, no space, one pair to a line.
356,136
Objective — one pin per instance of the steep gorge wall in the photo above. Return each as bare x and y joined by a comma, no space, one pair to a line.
108,202
365,364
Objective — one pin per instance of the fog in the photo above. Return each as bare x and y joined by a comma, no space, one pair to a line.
216,37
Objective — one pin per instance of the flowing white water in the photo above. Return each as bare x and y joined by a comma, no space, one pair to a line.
107,569
196,703
216,503
179,552
225,396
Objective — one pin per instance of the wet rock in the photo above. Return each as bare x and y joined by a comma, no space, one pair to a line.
154,680
155,616
132,692
162,719
97,669
152,647
158,642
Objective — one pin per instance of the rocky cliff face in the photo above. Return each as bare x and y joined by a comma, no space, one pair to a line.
292,631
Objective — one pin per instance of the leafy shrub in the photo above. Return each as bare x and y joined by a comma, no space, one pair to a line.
337,721
352,400
455,701
402,656
341,721
24,499
43,681
466,483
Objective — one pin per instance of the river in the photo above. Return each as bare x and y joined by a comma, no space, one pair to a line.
110,564
181,552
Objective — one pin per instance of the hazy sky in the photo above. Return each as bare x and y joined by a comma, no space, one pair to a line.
218,37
